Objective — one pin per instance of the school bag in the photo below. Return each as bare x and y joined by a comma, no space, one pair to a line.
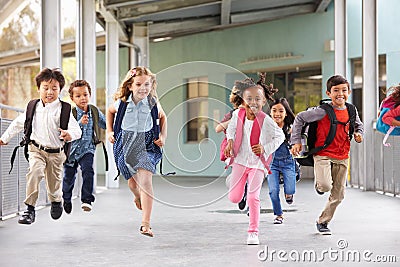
117,129
96,129
26,140
386,105
254,137
224,143
309,132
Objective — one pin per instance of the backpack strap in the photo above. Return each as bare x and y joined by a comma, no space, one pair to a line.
332,129
96,132
351,109
30,110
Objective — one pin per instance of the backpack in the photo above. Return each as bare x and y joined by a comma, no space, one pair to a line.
309,132
386,105
224,143
96,130
26,140
156,128
254,137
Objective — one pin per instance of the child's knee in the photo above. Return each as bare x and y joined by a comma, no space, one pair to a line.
235,198
324,187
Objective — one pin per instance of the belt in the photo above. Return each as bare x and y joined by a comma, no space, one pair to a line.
46,149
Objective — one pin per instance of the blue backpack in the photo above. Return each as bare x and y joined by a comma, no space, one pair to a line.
386,105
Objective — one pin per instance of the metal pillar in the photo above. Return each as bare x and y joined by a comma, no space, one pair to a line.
141,39
50,45
370,87
340,38
86,44
112,83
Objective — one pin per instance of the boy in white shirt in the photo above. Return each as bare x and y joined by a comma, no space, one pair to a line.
46,151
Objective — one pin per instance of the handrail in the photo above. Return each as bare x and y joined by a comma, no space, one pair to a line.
2,106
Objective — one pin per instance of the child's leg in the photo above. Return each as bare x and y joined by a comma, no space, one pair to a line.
322,173
68,181
273,185
144,180
289,176
54,171
237,183
339,174
37,165
86,164
254,182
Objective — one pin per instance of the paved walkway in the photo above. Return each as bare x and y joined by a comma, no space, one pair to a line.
196,225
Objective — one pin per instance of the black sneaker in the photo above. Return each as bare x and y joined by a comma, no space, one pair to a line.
27,218
56,210
67,207
323,229
242,203
318,192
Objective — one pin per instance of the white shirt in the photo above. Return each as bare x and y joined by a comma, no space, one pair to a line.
271,138
45,124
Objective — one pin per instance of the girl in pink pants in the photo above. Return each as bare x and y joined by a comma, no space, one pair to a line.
252,138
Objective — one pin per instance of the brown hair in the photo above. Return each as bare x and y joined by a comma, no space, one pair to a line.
123,90
336,80
395,94
79,83
47,74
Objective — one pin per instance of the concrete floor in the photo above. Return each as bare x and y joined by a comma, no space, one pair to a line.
195,225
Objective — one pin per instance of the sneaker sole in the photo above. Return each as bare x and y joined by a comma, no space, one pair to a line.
86,208
325,233
253,243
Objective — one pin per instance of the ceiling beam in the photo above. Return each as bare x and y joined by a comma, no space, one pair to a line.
179,28
204,9
226,11
11,8
276,13
323,5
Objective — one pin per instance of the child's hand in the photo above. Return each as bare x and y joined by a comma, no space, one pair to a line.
111,137
2,143
296,149
160,141
228,149
85,119
358,137
64,135
257,149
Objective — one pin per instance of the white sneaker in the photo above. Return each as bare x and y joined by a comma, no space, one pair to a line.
252,239
86,207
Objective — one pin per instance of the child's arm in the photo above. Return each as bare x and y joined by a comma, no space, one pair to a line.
230,134
221,126
163,127
73,131
110,114
15,127
271,138
390,117
301,119
358,129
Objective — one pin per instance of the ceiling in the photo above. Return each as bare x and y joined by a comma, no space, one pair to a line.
171,18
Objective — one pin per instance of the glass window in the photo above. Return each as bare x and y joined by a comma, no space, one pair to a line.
197,109
357,79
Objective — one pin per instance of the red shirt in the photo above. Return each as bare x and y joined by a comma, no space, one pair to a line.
340,147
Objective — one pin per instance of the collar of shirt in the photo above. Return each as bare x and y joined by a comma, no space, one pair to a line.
140,103
80,112
53,104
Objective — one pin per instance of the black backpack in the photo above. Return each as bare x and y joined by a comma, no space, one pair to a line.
96,130
30,110
309,132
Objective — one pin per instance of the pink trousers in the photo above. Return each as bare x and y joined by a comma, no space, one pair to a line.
254,177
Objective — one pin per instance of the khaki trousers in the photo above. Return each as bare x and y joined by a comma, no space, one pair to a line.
48,166
330,175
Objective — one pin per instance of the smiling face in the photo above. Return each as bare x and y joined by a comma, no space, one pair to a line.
278,114
49,90
339,95
80,96
140,87
254,100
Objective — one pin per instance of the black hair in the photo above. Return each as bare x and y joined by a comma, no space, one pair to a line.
336,80
47,74
289,119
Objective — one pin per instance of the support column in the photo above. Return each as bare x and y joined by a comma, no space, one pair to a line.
86,44
141,39
370,87
340,38
50,45
112,83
